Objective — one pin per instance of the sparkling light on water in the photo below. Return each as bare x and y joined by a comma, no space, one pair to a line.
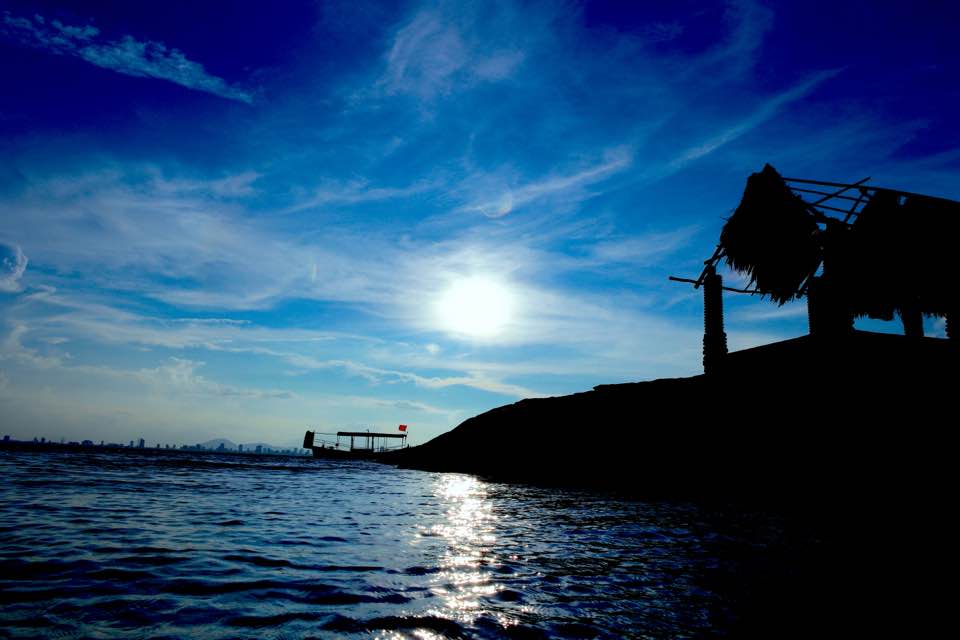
142,545
468,529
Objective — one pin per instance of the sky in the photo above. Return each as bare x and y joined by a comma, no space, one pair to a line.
243,219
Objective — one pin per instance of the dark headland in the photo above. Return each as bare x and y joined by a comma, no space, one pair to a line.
860,415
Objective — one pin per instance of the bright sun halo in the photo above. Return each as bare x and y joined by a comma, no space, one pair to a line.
477,306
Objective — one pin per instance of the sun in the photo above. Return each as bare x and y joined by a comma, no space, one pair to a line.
476,306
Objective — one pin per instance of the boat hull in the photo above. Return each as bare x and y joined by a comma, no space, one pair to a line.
329,453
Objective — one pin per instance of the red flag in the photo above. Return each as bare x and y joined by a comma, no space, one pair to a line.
403,427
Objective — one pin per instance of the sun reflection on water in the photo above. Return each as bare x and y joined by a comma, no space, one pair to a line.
468,530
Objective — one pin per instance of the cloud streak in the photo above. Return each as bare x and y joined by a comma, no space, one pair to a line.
12,265
129,56
762,114
434,53
567,185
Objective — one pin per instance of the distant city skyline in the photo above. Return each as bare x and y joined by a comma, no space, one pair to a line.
246,220
215,445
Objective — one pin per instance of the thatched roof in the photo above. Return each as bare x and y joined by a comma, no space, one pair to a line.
772,237
902,255
874,276
897,254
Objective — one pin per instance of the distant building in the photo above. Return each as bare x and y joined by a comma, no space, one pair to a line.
131,444
240,448
259,449
87,443
142,444
6,438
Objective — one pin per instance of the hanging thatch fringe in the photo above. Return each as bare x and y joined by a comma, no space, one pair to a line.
903,253
772,237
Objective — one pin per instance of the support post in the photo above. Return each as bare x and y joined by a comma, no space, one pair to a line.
827,310
714,337
814,306
912,319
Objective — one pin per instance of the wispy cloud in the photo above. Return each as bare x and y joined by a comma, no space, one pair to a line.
129,56
643,249
175,375
12,265
181,375
433,53
12,348
356,192
476,380
397,408
50,312
239,185
748,22
767,110
511,198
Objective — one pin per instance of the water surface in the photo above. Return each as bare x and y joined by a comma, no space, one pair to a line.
134,545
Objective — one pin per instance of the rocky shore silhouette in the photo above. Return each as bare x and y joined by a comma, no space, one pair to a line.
863,414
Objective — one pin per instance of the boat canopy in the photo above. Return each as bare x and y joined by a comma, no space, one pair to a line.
373,434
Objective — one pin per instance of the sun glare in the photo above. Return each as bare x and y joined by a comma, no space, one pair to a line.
477,306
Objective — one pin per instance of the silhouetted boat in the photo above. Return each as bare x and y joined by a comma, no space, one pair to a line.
363,444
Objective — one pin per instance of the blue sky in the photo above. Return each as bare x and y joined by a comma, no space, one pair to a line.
240,219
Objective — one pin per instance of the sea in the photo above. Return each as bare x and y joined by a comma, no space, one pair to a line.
176,545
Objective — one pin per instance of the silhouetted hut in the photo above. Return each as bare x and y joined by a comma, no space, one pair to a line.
871,252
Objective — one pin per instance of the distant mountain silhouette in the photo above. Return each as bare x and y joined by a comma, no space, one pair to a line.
213,444
229,444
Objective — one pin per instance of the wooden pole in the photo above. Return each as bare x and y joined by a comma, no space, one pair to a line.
814,302
827,310
912,319
714,337
697,284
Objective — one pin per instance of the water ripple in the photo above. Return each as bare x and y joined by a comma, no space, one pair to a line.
173,545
